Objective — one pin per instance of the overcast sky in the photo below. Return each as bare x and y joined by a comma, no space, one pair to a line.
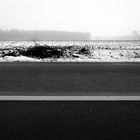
100,17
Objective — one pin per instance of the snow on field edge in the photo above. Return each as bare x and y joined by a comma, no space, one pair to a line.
27,59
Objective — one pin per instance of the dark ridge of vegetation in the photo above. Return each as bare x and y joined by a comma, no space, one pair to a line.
84,50
11,52
137,55
38,51
43,52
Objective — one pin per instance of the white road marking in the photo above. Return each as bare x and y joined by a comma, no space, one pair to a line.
69,98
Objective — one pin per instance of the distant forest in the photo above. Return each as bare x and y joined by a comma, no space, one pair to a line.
17,35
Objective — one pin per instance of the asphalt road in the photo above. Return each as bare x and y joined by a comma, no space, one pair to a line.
71,120
74,79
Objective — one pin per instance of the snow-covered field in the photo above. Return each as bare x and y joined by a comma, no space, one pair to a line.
94,51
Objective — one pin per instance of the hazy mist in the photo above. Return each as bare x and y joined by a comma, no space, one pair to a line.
18,35
133,36
107,18
21,35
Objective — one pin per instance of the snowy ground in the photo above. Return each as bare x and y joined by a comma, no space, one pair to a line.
98,56
100,51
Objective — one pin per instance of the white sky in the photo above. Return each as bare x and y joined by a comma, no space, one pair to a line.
100,17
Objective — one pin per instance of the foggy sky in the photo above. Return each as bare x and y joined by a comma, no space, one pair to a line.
99,17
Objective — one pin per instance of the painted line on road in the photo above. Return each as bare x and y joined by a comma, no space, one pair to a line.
69,98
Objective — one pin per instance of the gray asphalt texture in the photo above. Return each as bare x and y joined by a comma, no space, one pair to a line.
69,120
70,79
